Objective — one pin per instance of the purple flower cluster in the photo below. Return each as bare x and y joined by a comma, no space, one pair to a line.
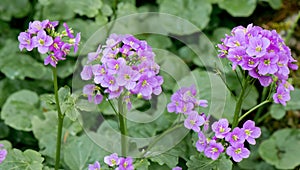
3,153
236,138
42,35
264,54
123,64
113,160
184,101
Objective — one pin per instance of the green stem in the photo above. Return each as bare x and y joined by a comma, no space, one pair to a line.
123,125
239,103
254,108
60,117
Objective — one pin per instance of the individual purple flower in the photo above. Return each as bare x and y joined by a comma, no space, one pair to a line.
114,94
68,30
257,46
236,136
145,85
95,166
251,132
93,96
268,64
25,41
206,121
125,164
112,160
126,49
132,42
221,128
238,152
201,142
213,150
236,55
3,153
109,81
127,77
113,66
42,41
194,121
99,72
263,80
177,168
94,55
76,42
202,103
86,73
281,96
56,45
37,26
51,59
249,63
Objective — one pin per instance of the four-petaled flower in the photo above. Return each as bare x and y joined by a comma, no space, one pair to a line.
95,166
238,152
112,160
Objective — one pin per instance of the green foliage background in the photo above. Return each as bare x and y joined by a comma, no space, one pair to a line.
28,118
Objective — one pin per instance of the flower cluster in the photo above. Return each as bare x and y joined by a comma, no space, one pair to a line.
42,35
113,160
263,54
184,101
3,153
124,64
212,147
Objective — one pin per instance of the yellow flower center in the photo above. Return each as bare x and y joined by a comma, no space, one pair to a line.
235,138
144,83
41,41
258,49
238,151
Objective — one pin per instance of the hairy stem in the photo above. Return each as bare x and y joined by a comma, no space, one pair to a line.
60,117
123,125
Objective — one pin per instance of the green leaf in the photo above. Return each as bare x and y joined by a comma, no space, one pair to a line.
82,151
238,8
166,158
197,162
251,98
45,131
277,111
16,159
19,109
294,103
89,8
17,65
195,11
282,149
54,10
14,8
159,41
275,4
142,165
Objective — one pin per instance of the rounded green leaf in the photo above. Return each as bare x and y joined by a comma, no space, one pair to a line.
277,111
238,8
194,11
14,8
282,149
89,8
16,159
19,109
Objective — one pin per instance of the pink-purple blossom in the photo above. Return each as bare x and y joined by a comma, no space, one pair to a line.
118,66
3,153
236,136
261,52
221,128
43,36
112,160
194,121
251,131
125,164
201,142
213,150
238,152
95,166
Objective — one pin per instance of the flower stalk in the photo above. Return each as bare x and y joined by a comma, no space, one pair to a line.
60,117
239,103
123,125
